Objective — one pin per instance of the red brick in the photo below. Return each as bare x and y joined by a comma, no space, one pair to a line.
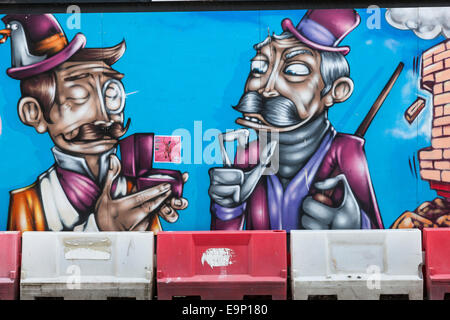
428,82
438,88
436,132
438,111
442,76
440,143
430,154
447,109
447,86
424,164
448,44
447,63
447,154
441,56
428,174
443,98
446,130
441,121
427,62
435,50
446,176
433,68
442,165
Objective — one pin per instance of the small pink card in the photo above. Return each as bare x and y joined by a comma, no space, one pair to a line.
168,149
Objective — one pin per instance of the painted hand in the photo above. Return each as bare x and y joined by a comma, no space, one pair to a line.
129,212
320,216
230,187
410,220
168,210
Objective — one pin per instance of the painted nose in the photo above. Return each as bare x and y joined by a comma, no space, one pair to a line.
270,94
269,90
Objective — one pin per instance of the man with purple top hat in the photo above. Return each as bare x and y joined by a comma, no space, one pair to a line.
72,93
295,78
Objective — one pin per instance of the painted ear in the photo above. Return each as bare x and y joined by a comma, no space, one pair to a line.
341,90
30,113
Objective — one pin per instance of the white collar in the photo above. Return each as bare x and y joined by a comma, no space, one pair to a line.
59,213
79,165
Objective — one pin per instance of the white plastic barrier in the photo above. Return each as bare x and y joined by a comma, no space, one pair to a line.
356,264
80,265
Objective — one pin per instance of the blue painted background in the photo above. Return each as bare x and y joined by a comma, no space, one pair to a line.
192,66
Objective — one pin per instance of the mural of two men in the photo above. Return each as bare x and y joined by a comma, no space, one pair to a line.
73,93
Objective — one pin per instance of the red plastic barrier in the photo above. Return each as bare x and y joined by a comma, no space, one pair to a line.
10,251
221,265
436,243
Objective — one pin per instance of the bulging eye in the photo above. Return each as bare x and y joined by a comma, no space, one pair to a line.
297,69
259,66
114,96
14,26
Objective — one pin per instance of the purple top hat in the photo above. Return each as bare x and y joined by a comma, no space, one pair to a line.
38,44
324,29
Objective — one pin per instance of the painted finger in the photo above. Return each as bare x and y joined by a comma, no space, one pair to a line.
141,197
226,176
223,202
320,212
179,203
168,213
185,177
417,218
153,204
310,223
113,172
226,191
330,182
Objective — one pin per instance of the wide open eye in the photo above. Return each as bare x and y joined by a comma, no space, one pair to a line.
259,66
114,96
297,69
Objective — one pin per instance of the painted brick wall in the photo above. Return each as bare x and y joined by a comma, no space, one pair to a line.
435,160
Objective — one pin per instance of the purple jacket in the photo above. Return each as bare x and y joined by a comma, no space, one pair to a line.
271,207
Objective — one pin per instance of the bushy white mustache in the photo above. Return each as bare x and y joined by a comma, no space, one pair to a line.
278,111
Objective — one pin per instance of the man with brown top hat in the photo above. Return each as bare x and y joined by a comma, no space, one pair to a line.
75,95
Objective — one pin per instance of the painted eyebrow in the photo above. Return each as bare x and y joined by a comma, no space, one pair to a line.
112,74
297,52
77,77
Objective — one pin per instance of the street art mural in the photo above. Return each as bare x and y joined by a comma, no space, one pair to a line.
73,94
283,119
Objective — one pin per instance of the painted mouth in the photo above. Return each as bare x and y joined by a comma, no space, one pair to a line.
254,121
97,131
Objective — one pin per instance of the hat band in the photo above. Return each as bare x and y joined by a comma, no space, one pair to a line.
315,32
50,45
